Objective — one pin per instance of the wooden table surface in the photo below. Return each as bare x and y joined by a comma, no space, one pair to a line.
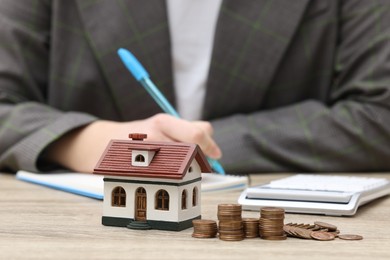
41,223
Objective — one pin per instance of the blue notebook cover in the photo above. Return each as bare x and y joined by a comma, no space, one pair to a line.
78,183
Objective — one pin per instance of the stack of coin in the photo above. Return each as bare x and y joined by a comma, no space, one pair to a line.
230,222
271,224
204,228
231,230
229,212
251,227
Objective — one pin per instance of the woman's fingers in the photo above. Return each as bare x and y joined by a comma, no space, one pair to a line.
199,132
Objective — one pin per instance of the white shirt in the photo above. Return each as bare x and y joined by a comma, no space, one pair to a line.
192,26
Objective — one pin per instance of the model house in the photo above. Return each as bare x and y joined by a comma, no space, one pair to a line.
151,184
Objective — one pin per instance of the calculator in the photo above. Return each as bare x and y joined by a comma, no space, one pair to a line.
334,195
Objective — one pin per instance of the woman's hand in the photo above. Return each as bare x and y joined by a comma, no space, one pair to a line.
80,149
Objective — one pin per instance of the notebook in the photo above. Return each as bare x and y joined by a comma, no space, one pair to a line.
92,185
316,194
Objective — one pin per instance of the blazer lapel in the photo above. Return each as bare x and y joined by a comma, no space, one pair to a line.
249,43
141,27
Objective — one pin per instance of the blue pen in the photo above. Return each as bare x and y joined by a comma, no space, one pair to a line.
142,76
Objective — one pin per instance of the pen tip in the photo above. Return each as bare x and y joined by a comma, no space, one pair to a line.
217,167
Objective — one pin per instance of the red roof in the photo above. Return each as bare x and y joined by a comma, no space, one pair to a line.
171,160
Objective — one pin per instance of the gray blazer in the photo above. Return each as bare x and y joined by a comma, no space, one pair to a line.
293,85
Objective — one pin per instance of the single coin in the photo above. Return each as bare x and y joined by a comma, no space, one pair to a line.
233,224
323,236
195,235
328,226
272,209
204,222
256,220
283,237
229,207
350,237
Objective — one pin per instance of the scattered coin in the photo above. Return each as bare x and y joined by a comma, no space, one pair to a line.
302,233
350,237
328,226
323,236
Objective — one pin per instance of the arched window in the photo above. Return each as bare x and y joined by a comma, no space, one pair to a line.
118,196
162,200
195,196
184,199
140,158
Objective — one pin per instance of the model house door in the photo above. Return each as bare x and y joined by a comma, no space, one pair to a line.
140,204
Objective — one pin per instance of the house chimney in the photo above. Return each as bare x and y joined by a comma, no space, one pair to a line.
137,136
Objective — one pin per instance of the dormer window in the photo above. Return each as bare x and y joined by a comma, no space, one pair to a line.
143,157
139,158
141,154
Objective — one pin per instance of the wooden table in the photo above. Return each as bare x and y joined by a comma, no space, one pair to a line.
37,222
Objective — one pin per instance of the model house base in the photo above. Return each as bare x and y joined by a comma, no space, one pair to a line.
150,224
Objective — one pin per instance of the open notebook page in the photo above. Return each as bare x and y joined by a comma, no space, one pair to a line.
92,185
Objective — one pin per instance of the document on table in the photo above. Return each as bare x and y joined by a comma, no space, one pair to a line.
92,185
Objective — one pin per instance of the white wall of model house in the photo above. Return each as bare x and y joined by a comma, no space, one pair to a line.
175,212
